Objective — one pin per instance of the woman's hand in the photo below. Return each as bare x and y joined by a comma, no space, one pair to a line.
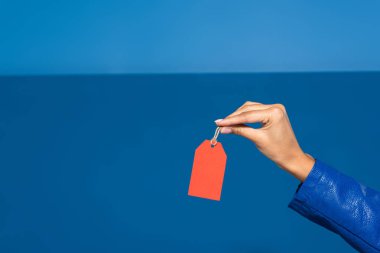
275,139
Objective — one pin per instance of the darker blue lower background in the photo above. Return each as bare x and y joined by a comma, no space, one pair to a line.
102,163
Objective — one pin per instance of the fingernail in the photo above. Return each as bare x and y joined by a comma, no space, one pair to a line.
218,120
226,130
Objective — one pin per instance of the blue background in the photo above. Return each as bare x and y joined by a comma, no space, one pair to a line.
121,36
102,163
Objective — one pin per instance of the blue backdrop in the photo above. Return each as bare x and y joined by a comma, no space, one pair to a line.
128,36
102,163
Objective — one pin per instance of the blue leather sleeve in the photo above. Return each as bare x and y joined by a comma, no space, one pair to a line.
342,205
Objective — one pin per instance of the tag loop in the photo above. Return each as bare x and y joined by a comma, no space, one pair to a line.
214,139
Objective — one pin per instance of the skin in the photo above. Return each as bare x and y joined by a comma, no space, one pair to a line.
275,139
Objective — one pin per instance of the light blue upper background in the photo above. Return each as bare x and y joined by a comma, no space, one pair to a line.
82,36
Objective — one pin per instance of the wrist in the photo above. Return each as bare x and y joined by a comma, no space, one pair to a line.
299,165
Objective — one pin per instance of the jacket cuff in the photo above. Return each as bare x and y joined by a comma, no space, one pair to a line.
305,190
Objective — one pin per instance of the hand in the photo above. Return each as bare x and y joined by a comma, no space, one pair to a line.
275,139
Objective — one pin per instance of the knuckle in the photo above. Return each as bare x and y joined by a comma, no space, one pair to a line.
245,107
251,103
278,111
246,103
236,130
242,107
281,107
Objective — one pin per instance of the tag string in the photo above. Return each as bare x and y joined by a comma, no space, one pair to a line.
214,139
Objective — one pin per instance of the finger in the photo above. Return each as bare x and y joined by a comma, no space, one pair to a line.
246,117
242,130
249,107
247,104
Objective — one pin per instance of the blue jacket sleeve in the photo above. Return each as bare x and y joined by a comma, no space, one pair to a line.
342,205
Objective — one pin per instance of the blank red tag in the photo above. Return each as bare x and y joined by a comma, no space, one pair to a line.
208,171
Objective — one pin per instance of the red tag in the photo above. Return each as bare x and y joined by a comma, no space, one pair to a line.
208,171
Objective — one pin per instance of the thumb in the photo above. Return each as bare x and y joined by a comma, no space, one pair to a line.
242,130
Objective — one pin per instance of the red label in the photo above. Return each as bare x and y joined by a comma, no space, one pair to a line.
208,171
